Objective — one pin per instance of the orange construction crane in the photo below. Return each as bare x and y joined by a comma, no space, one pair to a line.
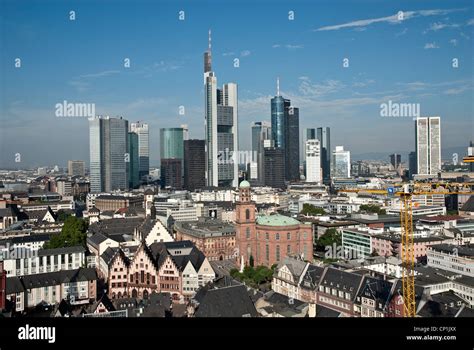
405,192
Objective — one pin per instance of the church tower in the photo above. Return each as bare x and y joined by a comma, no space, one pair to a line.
246,239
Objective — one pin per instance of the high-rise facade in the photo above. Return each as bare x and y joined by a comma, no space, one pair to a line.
261,131
194,164
412,164
133,160
171,143
171,175
274,167
221,123
108,146
428,145
313,161
141,129
323,134
307,134
76,167
395,160
341,163
285,133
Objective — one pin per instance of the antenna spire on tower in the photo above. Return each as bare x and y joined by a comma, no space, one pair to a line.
278,86
210,40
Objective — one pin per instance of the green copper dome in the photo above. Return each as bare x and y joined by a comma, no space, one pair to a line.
244,184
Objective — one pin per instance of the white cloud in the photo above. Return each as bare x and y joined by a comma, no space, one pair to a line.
454,42
434,27
470,22
245,53
393,19
287,46
431,46
228,53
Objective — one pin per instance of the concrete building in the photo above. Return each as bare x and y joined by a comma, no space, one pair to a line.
341,163
313,161
141,129
428,145
76,167
458,259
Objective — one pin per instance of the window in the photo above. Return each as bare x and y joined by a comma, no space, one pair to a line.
266,236
267,251
247,214
277,253
288,249
288,236
247,232
277,236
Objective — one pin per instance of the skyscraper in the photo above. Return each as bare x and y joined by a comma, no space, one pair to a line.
428,145
133,163
285,132
221,128
324,137
395,160
261,131
412,164
141,129
307,134
313,161
171,175
341,163
171,143
108,146
274,167
194,164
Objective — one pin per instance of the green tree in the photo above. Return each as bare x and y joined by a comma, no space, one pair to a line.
372,208
73,233
329,237
251,261
62,215
311,210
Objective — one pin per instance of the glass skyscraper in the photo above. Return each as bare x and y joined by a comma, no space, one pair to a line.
141,129
108,146
171,143
324,137
133,164
341,163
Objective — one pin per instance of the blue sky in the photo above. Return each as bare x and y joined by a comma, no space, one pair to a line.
408,61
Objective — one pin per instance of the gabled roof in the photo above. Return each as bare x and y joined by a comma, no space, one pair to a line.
49,279
469,205
378,290
312,277
96,239
344,281
295,266
231,301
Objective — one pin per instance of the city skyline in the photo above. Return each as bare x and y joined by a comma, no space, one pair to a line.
305,58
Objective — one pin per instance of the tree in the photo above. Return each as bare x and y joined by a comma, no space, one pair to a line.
73,233
329,237
311,210
62,215
372,208
251,261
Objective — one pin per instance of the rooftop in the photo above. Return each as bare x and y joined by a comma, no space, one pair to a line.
276,220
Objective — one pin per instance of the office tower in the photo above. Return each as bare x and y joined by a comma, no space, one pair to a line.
108,151
341,163
395,160
171,143
313,161
221,116
307,134
261,131
194,164
428,145
470,153
293,145
171,175
274,167
412,164
324,136
285,132
76,168
133,160
141,129
185,131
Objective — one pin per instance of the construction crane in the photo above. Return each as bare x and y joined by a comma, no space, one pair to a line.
406,193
